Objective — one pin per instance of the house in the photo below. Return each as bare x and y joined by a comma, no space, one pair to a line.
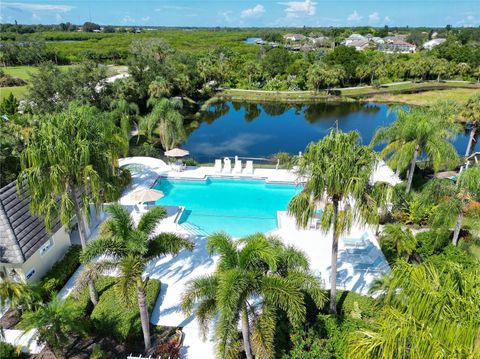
432,43
353,37
320,41
27,249
294,37
377,40
398,46
359,45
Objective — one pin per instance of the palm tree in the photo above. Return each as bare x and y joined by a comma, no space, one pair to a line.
440,67
166,119
18,294
338,170
452,199
71,162
402,239
431,310
128,248
471,115
55,322
419,131
255,277
126,111
321,76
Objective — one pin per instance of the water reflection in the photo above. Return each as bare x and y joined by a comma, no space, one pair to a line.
260,130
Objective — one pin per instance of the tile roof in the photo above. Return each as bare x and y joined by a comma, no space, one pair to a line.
21,233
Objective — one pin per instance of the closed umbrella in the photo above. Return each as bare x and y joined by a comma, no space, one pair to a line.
146,195
177,152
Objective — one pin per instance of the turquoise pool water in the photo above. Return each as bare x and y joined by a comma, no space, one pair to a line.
236,206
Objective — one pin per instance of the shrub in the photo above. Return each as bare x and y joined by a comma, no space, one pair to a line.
113,318
8,351
351,304
61,271
97,352
83,302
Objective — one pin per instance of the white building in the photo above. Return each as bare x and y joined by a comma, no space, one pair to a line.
352,38
294,37
432,43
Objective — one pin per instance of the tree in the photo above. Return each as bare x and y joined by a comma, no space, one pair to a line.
128,248
276,61
323,76
419,131
440,67
9,105
55,322
69,163
401,238
256,276
90,26
17,294
431,310
347,57
338,170
126,111
471,114
452,199
166,120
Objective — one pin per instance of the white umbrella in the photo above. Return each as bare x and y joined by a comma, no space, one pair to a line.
146,195
177,152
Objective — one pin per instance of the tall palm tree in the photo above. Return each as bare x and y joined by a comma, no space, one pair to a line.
431,310
165,119
452,199
126,112
255,277
338,170
402,239
69,163
18,294
416,132
55,322
471,115
128,248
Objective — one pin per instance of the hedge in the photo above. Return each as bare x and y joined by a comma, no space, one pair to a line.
61,271
112,317
83,301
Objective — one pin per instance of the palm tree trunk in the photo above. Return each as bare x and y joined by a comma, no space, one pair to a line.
412,169
246,334
83,240
458,227
144,317
333,266
473,132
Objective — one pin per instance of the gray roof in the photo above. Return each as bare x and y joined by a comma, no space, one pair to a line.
21,233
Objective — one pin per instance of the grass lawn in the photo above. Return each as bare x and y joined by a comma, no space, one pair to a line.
18,91
459,95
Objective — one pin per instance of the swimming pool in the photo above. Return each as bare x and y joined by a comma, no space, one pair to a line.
236,206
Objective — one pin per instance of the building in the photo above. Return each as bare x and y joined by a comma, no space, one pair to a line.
432,43
27,249
294,37
359,45
352,38
320,41
398,46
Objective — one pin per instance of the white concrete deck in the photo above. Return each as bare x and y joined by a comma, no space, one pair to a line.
175,272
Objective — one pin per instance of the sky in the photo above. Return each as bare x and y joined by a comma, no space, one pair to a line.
245,13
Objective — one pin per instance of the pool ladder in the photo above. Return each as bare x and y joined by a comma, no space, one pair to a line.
193,229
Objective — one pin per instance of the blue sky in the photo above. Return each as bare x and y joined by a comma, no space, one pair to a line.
266,13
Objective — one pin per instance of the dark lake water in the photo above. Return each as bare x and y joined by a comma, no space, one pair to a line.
260,130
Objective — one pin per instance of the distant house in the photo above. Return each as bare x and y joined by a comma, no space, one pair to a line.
359,45
398,46
377,40
432,43
27,249
352,38
320,41
294,37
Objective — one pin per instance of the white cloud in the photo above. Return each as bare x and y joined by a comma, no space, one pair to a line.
354,16
227,15
145,19
58,17
35,17
36,7
128,19
387,19
374,17
253,12
306,7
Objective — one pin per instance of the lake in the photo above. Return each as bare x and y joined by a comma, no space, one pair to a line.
260,130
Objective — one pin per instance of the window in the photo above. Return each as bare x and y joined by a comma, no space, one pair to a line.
30,273
46,246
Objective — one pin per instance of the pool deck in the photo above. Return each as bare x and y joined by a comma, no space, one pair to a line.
357,267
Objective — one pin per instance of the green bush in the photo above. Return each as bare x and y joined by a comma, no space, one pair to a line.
8,351
112,317
83,301
61,271
351,304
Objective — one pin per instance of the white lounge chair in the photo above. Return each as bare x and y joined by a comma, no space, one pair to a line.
227,165
238,167
248,168
218,166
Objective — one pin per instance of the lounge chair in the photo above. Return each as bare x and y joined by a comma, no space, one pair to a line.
248,168
356,242
227,165
238,167
218,166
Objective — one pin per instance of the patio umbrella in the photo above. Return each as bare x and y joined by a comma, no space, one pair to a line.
177,152
146,195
